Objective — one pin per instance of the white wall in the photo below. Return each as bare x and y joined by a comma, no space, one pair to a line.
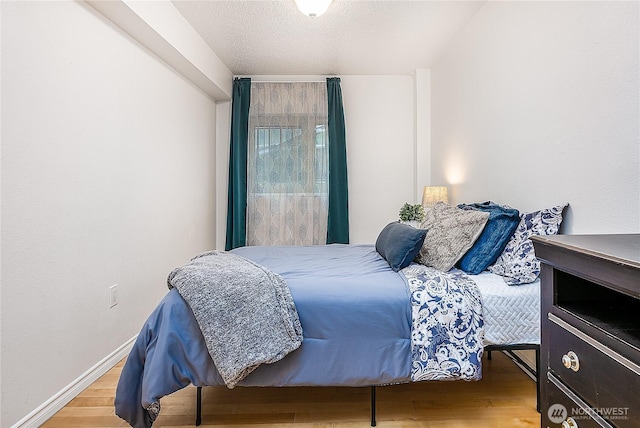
223,135
107,177
537,103
380,151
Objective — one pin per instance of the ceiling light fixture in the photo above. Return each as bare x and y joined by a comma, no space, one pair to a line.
313,7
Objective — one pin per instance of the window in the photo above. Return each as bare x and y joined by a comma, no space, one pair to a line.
287,164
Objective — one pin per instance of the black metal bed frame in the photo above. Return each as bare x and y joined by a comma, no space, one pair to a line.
535,375
506,349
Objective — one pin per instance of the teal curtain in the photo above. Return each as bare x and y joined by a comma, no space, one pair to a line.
338,222
237,195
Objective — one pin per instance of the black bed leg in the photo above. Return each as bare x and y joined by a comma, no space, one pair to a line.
373,406
538,379
198,406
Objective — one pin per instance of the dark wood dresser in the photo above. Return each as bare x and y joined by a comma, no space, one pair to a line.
590,340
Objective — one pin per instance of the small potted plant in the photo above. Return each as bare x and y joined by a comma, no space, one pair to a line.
411,214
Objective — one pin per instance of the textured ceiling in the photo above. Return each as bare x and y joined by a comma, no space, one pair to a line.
271,37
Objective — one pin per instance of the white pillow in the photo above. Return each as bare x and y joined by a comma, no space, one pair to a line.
518,263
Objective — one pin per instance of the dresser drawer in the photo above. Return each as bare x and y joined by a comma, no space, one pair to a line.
605,380
564,404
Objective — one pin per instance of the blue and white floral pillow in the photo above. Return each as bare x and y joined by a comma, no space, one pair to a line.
518,263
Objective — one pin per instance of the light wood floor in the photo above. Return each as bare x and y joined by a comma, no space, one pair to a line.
505,397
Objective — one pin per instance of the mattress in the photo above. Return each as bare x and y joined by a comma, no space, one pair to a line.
511,312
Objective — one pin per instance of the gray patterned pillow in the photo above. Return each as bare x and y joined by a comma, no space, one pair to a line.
518,263
451,232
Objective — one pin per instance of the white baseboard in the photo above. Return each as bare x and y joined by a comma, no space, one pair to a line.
50,407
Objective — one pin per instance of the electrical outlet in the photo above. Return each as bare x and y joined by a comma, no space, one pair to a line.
113,295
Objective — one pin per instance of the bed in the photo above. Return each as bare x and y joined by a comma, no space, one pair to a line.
364,321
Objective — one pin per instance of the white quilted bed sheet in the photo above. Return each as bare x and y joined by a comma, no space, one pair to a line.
511,312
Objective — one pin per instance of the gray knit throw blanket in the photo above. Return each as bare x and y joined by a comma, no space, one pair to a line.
246,312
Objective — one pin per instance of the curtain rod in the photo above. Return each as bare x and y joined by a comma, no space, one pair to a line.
288,79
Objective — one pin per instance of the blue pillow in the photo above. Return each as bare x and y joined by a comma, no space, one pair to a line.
399,244
503,222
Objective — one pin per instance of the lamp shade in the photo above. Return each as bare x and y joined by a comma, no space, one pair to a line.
434,194
313,7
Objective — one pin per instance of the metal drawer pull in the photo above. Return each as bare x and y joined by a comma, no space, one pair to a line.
570,423
570,361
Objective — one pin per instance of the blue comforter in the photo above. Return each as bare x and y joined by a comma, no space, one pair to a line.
356,320
363,324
